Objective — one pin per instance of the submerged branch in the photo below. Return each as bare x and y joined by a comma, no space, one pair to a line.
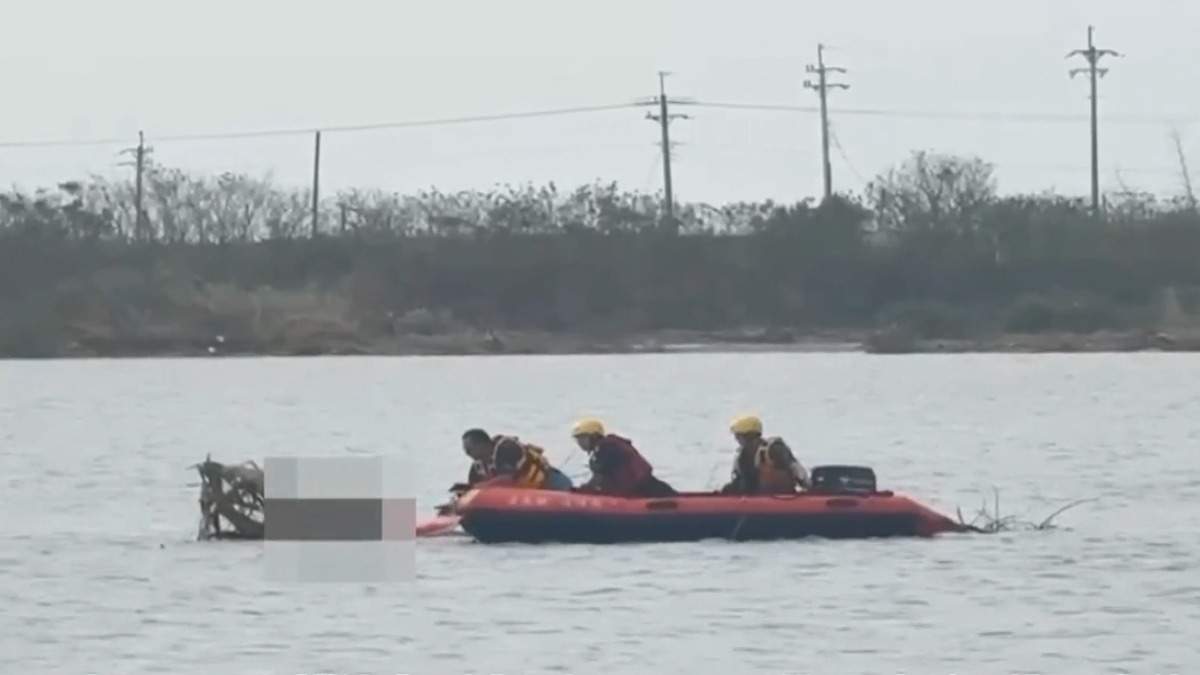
990,521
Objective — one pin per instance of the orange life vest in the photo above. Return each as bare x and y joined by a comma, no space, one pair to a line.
532,468
772,479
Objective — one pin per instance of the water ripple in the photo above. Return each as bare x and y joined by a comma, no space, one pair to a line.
98,573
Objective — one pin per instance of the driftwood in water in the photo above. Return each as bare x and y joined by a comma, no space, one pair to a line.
231,500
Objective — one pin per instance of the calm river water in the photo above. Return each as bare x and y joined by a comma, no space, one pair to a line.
98,572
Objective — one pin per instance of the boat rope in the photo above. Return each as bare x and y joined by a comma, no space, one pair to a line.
738,527
570,456
712,473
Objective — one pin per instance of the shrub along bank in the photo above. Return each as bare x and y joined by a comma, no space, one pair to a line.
928,255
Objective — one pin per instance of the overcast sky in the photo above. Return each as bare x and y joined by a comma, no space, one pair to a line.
82,70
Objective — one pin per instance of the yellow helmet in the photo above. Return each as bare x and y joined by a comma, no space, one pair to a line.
588,427
747,424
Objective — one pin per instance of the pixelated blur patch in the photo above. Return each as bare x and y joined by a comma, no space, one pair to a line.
359,562
362,477
339,519
399,519
323,519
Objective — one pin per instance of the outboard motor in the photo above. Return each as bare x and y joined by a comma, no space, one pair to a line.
842,480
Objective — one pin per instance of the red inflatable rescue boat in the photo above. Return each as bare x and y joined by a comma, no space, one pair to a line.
843,504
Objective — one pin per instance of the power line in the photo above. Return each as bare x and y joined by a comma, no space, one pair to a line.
651,171
867,112
837,143
861,112
741,150
947,115
554,112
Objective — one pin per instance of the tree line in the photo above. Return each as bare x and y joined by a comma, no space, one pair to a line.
929,243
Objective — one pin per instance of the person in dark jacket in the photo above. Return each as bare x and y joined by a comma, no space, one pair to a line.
524,465
479,446
763,465
507,457
618,468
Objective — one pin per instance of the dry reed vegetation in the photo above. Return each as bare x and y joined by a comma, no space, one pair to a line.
928,257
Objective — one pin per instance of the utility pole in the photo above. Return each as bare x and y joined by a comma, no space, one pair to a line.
1094,72
822,87
664,118
140,154
137,191
316,186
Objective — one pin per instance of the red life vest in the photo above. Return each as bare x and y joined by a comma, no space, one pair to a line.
630,469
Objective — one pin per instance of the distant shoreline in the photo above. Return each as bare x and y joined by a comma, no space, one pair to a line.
929,259
882,342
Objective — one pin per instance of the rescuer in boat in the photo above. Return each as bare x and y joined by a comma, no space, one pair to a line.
617,467
763,465
525,465
506,457
480,447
